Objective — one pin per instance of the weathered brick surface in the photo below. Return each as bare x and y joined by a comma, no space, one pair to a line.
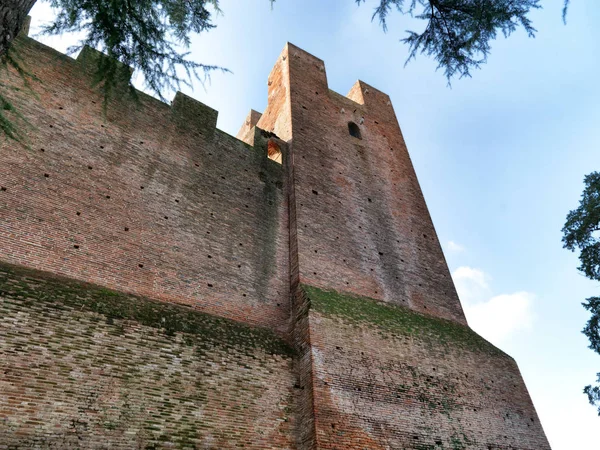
362,222
389,378
84,367
151,200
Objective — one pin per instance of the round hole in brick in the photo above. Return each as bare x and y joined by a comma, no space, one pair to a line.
2,188
243,295
176,200
369,200
140,265
239,266
78,213
46,175
76,246
102,146
126,228
209,256
90,167
166,217
197,165
42,150
141,187
241,245
108,196
209,284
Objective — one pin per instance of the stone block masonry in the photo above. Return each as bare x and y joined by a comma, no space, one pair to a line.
166,285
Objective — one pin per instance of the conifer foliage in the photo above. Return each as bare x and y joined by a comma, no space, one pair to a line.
582,232
146,35
458,32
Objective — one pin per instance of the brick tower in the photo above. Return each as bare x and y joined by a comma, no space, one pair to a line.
166,285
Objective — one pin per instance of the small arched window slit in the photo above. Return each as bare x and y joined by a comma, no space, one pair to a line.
274,152
354,130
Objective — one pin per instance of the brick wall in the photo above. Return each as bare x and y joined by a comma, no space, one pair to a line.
153,200
390,378
362,223
148,199
85,367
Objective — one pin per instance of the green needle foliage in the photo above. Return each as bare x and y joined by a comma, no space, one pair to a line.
458,32
582,232
143,34
8,113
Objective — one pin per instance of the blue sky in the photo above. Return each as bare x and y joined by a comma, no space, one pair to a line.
500,158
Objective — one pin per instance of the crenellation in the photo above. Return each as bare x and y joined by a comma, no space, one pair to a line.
194,116
246,132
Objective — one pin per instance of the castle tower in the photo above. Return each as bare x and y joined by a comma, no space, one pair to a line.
165,285
386,358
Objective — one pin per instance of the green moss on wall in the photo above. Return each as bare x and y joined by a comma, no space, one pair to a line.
33,286
394,320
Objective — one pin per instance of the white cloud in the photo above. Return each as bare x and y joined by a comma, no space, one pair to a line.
495,317
501,316
454,247
471,284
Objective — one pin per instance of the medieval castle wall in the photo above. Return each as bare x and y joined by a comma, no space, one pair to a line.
166,285
149,199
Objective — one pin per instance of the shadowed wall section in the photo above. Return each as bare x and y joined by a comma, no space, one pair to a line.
86,367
